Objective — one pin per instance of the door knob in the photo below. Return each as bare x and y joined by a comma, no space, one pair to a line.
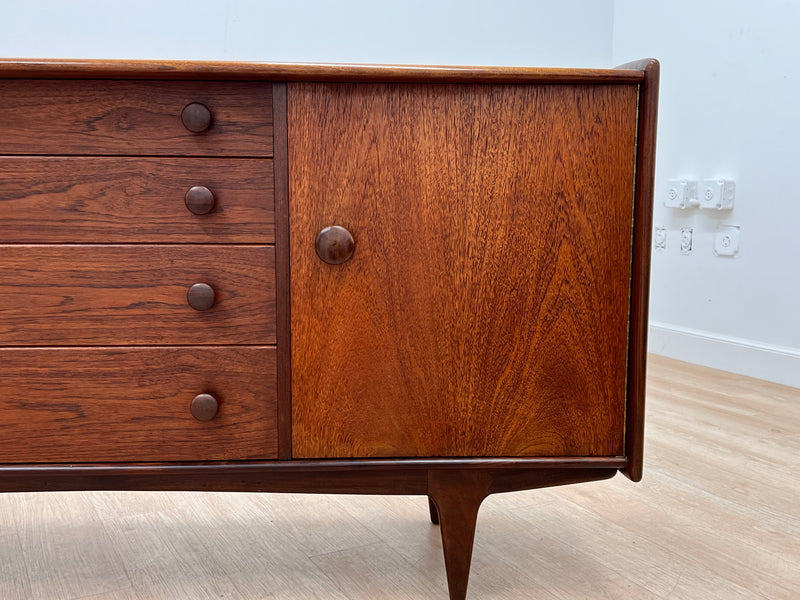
201,296
199,200
204,407
196,117
335,245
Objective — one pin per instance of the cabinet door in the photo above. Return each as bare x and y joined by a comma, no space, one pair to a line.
484,311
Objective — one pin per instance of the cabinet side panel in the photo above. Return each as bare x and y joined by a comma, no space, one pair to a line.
640,283
485,309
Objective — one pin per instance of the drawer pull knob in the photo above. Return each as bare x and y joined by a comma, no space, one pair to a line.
201,296
204,407
335,245
200,200
196,117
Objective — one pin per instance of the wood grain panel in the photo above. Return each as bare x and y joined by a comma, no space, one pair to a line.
132,404
80,200
485,310
133,117
120,295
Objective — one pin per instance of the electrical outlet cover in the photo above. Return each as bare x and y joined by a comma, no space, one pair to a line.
660,238
686,240
717,194
726,241
680,193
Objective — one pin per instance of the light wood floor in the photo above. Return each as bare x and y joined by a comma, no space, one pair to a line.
716,516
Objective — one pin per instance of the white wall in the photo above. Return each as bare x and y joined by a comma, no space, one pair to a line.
729,106
536,32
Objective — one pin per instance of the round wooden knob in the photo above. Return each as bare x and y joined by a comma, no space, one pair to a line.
201,296
200,200
335,245
196,117
204,407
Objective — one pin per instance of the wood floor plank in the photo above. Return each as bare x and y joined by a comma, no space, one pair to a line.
240,535
126,593
65,550
377,571
697,525
659,568
510,556
397,524
165,558
243,537
14,582
723,391
324,526
733,476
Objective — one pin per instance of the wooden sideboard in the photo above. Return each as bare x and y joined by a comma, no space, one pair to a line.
324,278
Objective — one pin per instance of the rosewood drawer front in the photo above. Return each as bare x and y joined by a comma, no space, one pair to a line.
135,117
125,200
135,404
136,295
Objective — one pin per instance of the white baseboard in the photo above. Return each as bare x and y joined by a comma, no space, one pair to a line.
780,364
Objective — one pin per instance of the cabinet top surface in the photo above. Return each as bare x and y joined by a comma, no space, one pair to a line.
147,69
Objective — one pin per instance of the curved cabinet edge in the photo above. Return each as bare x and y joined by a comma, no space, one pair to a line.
640,267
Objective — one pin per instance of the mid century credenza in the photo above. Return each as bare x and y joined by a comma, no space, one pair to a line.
324,278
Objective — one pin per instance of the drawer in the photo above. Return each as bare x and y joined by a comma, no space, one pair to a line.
135,295
112,199
133,117
134,404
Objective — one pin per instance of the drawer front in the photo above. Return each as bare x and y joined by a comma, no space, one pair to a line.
133,117
107,200
135,295
134,404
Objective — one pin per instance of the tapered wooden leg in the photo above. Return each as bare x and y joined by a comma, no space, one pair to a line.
457,496
434,511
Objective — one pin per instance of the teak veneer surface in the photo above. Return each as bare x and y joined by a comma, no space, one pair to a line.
41,116
132,404
134,200
485,310
135,295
